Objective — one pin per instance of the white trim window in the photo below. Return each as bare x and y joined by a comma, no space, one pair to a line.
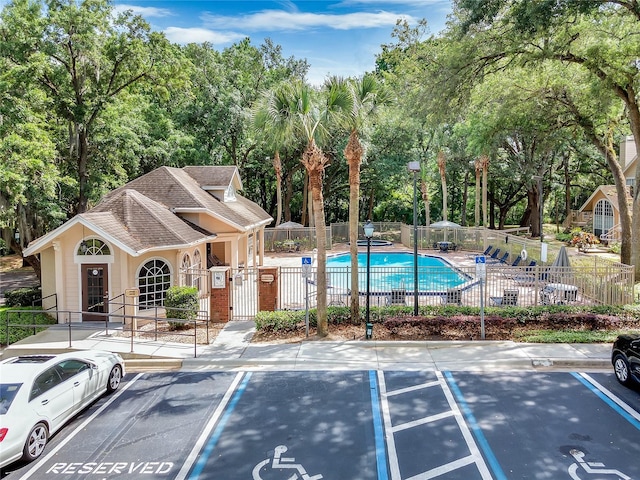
154,279
196,266
602,217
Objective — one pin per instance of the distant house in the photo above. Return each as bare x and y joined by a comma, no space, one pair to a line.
602,207
162,229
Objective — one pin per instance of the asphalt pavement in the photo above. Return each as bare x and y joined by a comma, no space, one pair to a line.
232,350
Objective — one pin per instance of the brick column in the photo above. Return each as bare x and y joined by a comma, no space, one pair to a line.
268,288
220,300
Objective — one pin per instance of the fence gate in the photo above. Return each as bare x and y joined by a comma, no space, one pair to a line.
201,279
244,293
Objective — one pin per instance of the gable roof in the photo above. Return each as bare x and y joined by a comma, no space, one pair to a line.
183,190
143,214
134,223
609,191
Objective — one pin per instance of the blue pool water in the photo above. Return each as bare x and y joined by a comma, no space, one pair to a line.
393,270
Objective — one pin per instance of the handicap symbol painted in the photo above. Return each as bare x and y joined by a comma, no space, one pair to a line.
279,463
591,468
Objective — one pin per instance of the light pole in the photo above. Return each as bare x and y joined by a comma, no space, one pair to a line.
368,232
415,168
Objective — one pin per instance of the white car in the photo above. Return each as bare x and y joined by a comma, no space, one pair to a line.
40,393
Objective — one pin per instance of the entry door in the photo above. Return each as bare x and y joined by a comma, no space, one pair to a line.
94,288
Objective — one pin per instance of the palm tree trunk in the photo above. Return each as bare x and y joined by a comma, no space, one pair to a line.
315,161
353,154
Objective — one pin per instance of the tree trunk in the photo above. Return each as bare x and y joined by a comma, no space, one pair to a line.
427,204
478,166
83,176
443,180
485,168
353,154
305,201
315,161
277,167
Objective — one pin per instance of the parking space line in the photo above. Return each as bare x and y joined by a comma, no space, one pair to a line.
69,436
446,468
220,417
610,399
381,454
412,388
394,466
477,431
422,421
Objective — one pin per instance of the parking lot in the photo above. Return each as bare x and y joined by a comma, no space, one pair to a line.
351,425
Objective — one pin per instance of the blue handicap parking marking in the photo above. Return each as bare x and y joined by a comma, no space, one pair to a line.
303,425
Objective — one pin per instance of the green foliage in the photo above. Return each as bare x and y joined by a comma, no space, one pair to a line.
571,336
25,316
23,297
280,321
181,303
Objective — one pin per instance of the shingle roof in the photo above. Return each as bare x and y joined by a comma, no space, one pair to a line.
141,223
181,189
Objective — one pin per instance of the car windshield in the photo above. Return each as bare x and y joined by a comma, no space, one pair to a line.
8,392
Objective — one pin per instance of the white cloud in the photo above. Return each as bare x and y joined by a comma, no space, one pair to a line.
277,20
147,12
200,35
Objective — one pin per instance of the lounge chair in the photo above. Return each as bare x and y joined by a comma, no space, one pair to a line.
397,297
509,297
452,296
495,254
500,260
516,262
488,250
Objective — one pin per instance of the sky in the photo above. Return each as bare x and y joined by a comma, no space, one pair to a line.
337,37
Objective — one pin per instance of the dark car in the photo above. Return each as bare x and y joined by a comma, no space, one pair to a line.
625,357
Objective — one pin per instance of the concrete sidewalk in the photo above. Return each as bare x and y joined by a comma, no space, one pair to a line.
232,350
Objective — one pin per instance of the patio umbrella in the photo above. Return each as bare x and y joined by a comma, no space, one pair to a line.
561,267
445,224
290,225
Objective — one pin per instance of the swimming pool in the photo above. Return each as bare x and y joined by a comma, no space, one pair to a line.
394,270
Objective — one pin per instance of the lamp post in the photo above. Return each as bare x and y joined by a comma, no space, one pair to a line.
368,232
415,168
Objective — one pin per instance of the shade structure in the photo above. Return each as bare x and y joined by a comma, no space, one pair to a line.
445,224
562,260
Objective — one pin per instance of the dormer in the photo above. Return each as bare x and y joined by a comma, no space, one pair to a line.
221,181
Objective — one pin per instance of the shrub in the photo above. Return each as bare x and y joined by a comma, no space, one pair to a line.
27,316
181,303
281,320
23,297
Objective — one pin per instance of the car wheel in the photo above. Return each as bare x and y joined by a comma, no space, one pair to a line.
36,442
115,376
621,369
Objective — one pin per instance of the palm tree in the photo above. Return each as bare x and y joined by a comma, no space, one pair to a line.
276,130
296,111
367,94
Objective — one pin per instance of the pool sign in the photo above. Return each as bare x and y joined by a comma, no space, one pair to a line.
306,267
481,267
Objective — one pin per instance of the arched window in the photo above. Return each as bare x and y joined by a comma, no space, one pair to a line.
602,217
185,269
93,246
197,266
154,279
